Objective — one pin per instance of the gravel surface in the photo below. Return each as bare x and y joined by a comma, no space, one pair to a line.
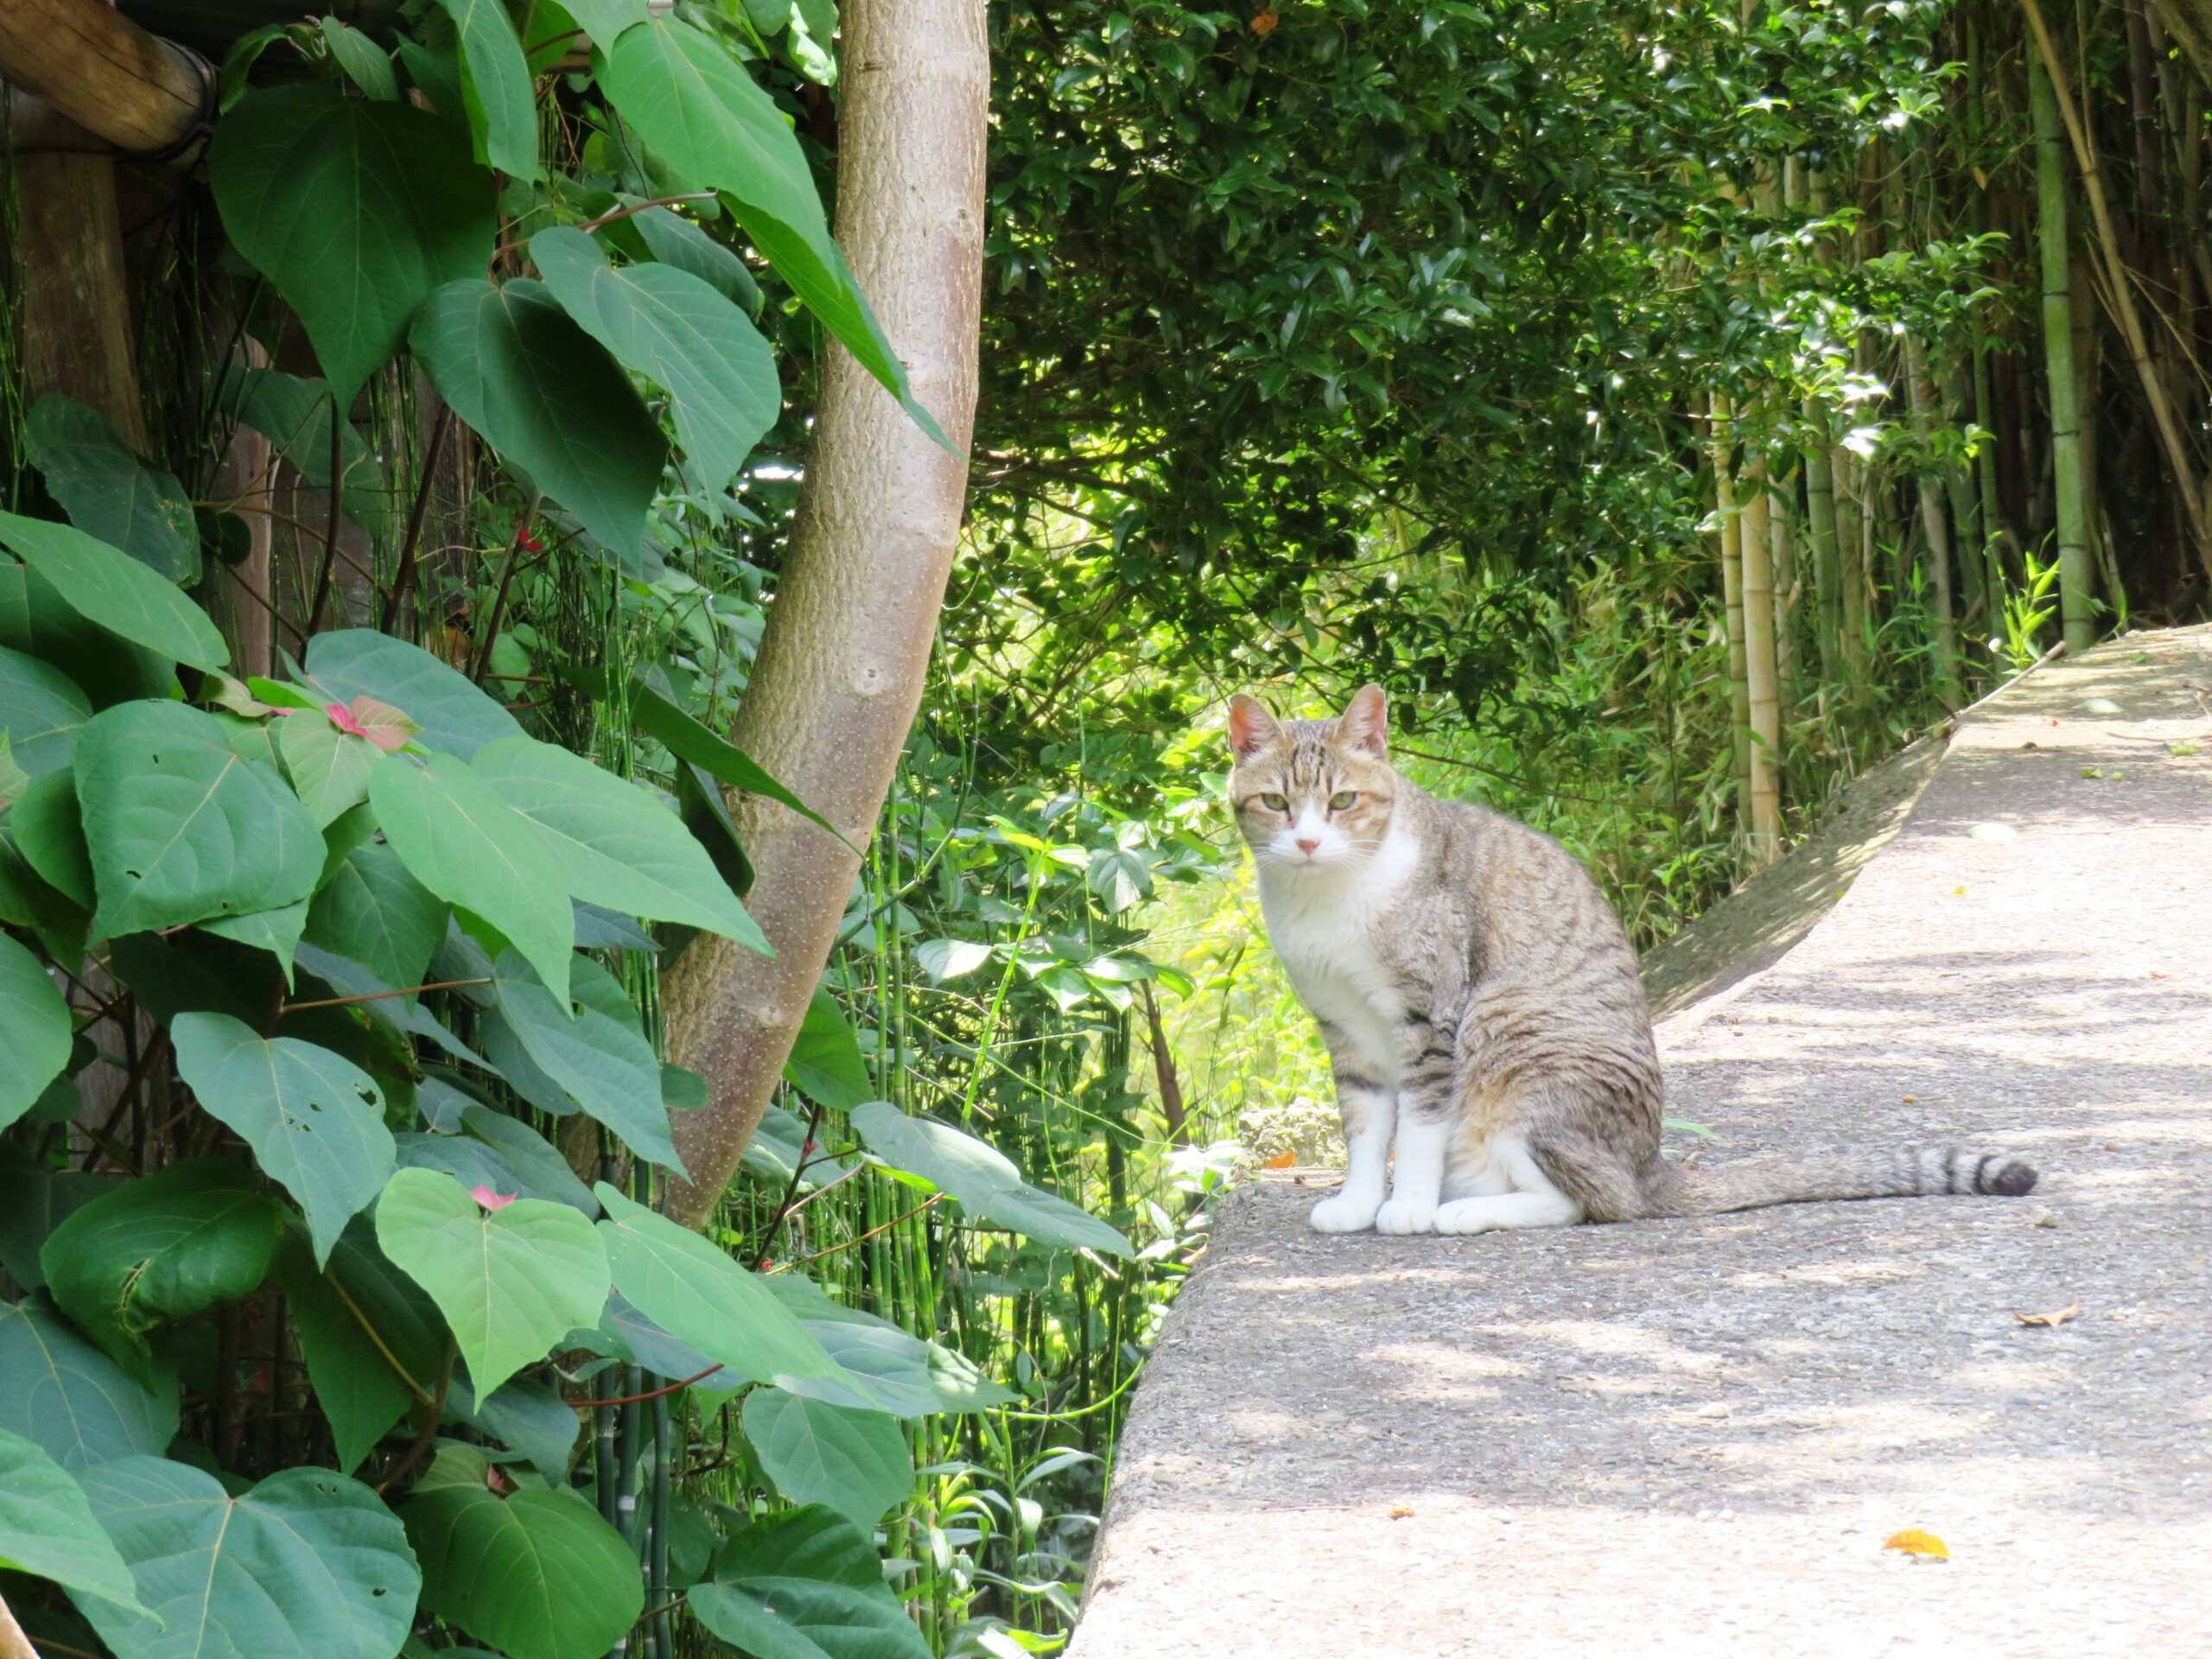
1693,1436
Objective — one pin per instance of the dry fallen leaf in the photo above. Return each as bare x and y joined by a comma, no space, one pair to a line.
2049,1320
1399,1511
1913,1541
1909,1099
1284,1162
1264,24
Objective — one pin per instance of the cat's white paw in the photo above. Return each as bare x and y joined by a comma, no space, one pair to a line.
1403,1215
1343,1213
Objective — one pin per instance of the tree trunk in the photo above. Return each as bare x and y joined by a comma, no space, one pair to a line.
1937,528
2073,573
1762,710
847,647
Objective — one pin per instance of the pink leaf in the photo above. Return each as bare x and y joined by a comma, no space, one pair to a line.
491,1200
343,718
387,728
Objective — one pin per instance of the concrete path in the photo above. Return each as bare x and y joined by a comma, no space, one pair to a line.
1692,1437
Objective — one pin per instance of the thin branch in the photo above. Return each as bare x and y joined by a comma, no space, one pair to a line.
378,996
329,571
403,582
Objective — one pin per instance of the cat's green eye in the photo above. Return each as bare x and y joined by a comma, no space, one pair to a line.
1343,800
1275,803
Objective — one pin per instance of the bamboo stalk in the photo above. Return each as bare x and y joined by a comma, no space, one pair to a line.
1934,527
1762,704
94,65
2073,573
1732,587
2054,104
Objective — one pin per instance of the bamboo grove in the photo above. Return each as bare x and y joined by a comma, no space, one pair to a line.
1676,406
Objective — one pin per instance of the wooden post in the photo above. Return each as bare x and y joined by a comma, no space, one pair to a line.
127,88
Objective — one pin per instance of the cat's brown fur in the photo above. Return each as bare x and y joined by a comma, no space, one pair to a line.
1475,987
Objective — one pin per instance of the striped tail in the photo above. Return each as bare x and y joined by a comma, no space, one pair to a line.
1908,1172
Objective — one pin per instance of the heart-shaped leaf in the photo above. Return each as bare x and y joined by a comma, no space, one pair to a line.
593,1049
854,1461
510,1283
677,330
469,848
34,1030
314,1118
546,395
495,85
47,1527
196,1234
701,111
616,845
72,1399
825,1063
180,827
805,1585
109,493
675,240
308,1563
112,590
355,211
697,1295
537,1575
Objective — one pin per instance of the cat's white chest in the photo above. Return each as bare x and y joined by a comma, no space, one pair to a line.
1324,928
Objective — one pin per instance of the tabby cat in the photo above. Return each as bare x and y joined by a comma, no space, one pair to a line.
1482,1007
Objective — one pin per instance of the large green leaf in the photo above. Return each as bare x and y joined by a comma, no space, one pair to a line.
314,1119
545,1173
40,710
308,1565
329,768
372,912
688,740
854,1461
373,1342
278,931
675,329
495,85
510,1282
180,827
980,1177
675,240
452,713
547,397
34,1030
37,621
108,491
704,1299
355,211
825,1063
467,846
195,1236
615,844
883,1368
604,20
71,1398
113,590
805,1585
537,1575
593,1048
702,111
529,1418
47,1527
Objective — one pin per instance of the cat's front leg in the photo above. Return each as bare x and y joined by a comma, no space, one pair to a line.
1426,1096
1370,1111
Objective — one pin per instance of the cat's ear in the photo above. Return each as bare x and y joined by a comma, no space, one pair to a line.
1251,727
1365,725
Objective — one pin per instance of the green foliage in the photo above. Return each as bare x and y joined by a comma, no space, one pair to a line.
538,1574
109,493
34,1030
47,1527
113,591
803,1586
306,1561
855,1462
511,1281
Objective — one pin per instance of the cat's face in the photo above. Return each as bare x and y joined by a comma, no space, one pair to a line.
1312,795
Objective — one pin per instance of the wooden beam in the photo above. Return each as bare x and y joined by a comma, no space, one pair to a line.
142,94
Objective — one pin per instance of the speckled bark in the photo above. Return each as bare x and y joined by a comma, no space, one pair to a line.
847,642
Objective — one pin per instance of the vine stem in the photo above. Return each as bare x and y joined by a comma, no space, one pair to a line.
650,1394
790,1189
403,580
430,1420
329,570
378,996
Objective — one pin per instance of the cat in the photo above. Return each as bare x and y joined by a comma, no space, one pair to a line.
1482,1009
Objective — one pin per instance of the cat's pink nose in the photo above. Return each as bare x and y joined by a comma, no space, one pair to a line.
1308,847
